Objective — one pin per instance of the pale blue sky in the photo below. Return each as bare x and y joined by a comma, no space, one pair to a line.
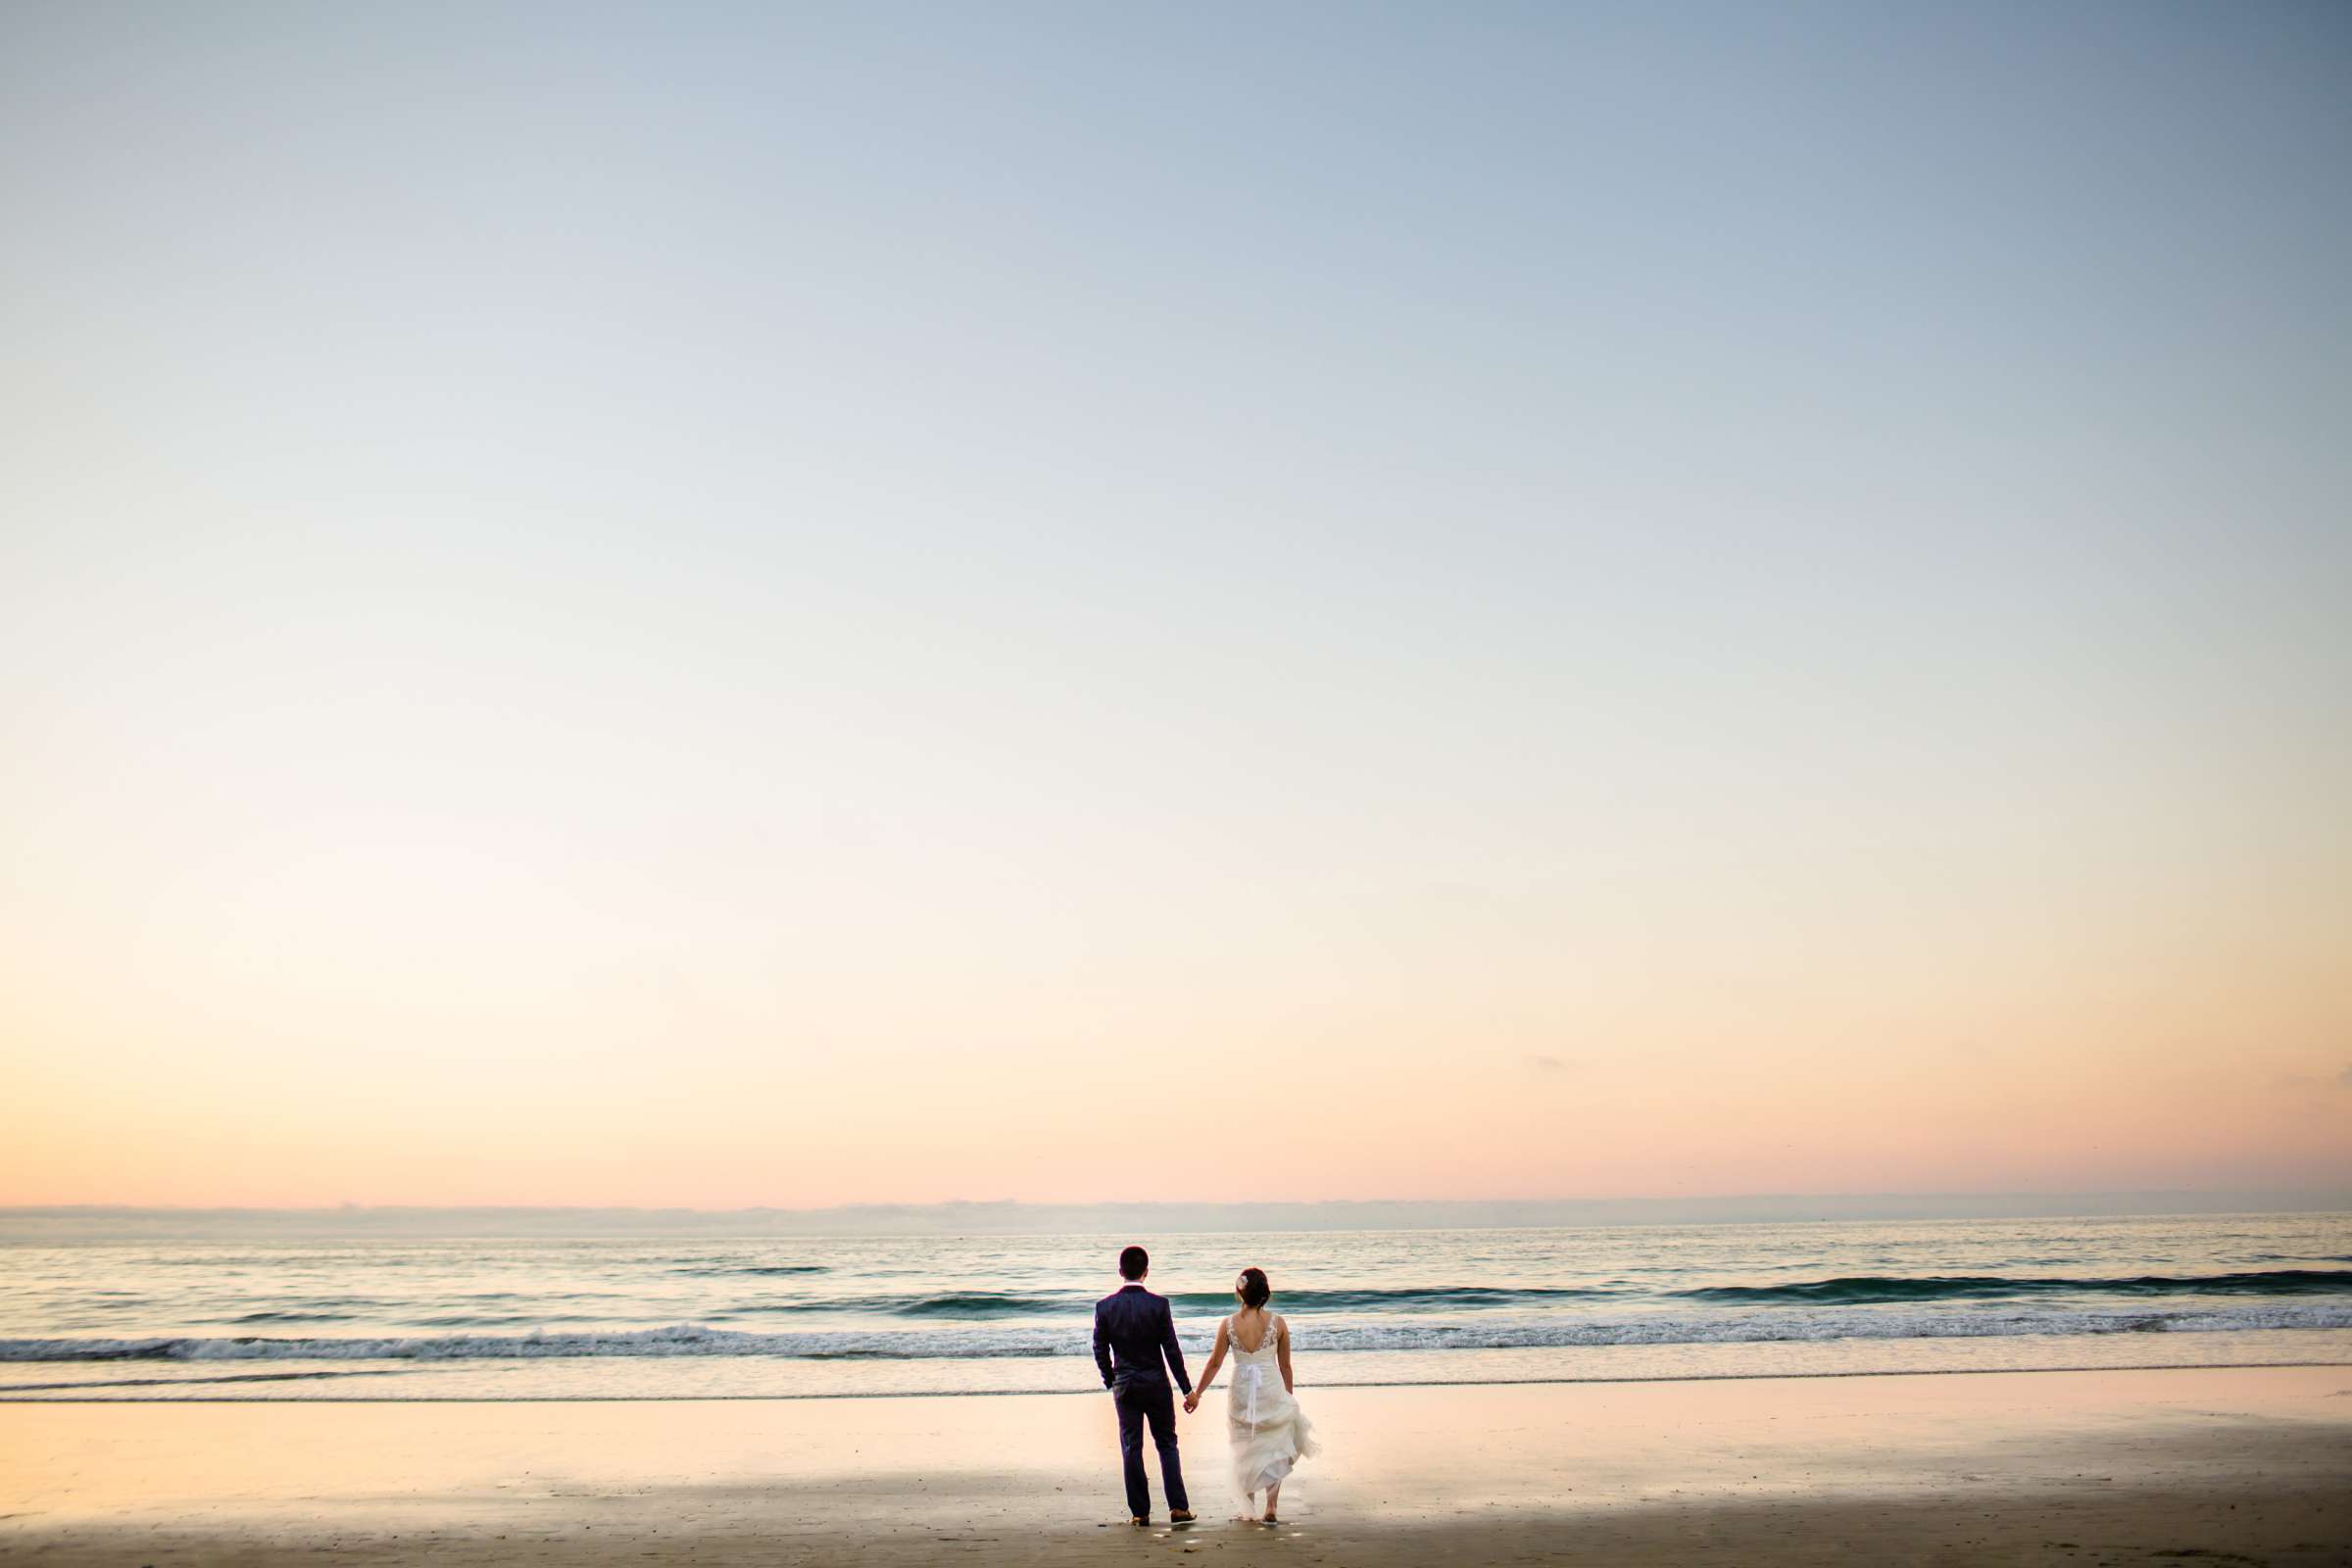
870,543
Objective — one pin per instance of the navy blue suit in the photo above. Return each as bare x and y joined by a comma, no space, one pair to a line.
1134,1331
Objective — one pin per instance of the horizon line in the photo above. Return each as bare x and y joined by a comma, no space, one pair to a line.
2315,1197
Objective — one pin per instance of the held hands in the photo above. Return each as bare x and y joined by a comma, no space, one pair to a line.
1191,1402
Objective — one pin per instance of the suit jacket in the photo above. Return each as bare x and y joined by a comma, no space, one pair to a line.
1132,1330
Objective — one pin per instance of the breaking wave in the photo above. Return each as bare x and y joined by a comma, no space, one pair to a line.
993,1342
1868,1289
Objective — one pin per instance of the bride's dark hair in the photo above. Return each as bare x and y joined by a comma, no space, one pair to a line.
1256,1291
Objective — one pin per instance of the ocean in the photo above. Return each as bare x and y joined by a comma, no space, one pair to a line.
703,1317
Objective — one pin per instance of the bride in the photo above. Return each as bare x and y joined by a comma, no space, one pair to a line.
1269,1432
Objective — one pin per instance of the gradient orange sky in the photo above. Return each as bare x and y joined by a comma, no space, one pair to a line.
773,608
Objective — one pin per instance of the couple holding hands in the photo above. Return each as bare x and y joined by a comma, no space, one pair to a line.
1135,1331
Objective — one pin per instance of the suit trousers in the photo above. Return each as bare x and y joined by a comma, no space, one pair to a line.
1141,1400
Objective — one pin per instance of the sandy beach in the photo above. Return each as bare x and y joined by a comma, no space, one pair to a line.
2096,1467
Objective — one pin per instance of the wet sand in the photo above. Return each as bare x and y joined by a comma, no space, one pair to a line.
2165,1467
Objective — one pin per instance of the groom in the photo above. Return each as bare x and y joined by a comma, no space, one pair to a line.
1132,1330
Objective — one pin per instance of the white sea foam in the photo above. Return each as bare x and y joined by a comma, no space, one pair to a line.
1002,1341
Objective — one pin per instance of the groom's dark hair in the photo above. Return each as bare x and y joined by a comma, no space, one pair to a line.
1133,1263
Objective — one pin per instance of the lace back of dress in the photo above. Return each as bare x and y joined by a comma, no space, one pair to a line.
1265,1346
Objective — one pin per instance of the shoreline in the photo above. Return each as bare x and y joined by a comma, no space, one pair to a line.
2084,1467
1054,1394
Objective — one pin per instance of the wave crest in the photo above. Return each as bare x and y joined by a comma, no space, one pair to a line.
1048,1340
1869,1288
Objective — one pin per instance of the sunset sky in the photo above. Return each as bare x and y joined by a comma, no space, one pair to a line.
733,604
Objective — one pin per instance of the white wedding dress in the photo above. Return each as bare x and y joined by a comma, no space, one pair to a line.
1269,1432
